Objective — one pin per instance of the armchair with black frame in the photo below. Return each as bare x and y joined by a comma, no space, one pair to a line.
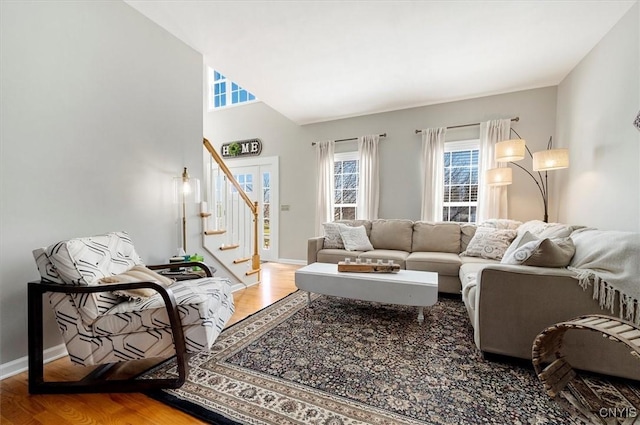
112,309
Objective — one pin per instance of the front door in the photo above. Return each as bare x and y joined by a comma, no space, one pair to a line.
260,183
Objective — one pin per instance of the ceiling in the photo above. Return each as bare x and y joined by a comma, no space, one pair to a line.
316,61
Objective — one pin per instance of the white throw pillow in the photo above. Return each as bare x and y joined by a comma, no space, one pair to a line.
520,240
355,238
332,237
489,243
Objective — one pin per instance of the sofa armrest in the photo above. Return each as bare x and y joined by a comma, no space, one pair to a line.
515,303
313,246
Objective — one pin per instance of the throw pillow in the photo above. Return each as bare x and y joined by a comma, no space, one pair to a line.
545,252
332,237
501,223
489,243
136,274
543,230
556,252
519,241
355,238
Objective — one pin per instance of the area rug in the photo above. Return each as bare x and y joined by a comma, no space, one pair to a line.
346,362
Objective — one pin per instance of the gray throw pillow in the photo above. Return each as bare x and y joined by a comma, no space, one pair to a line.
556,252
332,237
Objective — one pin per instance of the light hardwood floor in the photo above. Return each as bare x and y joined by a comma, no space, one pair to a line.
18,407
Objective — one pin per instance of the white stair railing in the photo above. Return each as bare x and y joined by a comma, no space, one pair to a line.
234,214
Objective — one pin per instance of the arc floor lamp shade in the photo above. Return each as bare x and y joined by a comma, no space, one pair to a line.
510,150
499,176
551,159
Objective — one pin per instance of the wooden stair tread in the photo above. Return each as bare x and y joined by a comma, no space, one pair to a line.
215,232
229,247
254,271
241,260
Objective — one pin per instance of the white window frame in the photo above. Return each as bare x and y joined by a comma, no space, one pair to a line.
346,156
228,92
457,146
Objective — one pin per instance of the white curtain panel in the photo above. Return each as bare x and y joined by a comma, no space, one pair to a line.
492,200
324,188
432,167
369,184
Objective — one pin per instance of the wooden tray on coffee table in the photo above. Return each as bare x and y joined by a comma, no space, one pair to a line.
368,268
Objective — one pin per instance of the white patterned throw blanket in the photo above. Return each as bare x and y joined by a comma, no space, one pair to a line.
610,260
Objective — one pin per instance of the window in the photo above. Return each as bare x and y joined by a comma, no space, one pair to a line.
223,92
461,181
345,180
245,181
266,207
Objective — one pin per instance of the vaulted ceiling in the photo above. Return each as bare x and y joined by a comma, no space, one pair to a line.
321,60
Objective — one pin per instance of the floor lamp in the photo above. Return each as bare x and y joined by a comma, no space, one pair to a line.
186,187
513,150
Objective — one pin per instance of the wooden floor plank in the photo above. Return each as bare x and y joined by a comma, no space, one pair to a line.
18,407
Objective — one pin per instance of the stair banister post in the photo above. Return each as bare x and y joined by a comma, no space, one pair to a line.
255,259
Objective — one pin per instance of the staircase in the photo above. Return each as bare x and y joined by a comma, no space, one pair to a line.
231,221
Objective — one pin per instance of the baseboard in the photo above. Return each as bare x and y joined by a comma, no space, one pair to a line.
291,261
20,365
238,286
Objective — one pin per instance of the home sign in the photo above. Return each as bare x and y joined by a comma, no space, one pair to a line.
249,147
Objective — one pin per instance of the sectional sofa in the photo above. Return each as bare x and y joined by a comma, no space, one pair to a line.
508,305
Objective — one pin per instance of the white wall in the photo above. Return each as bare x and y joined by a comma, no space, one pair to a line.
597,103
100,109
399,152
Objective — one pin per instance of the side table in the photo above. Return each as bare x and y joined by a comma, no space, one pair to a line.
185,274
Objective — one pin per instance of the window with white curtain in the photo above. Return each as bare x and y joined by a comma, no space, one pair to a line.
345,181
461,180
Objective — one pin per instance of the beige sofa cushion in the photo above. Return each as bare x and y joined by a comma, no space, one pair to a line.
392,234
398,257
335,255
467,231
443,263
436,237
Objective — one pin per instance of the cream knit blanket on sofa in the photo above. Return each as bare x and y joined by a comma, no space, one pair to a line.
610,260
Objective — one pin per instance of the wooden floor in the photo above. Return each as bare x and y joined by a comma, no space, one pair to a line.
18,407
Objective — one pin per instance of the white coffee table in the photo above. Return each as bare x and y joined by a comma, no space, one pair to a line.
407,287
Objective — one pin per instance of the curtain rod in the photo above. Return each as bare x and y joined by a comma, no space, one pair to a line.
516,119
353,138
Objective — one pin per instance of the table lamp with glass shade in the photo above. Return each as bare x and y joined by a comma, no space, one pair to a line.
546,160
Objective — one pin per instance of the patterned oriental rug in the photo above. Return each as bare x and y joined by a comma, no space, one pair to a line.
346,362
